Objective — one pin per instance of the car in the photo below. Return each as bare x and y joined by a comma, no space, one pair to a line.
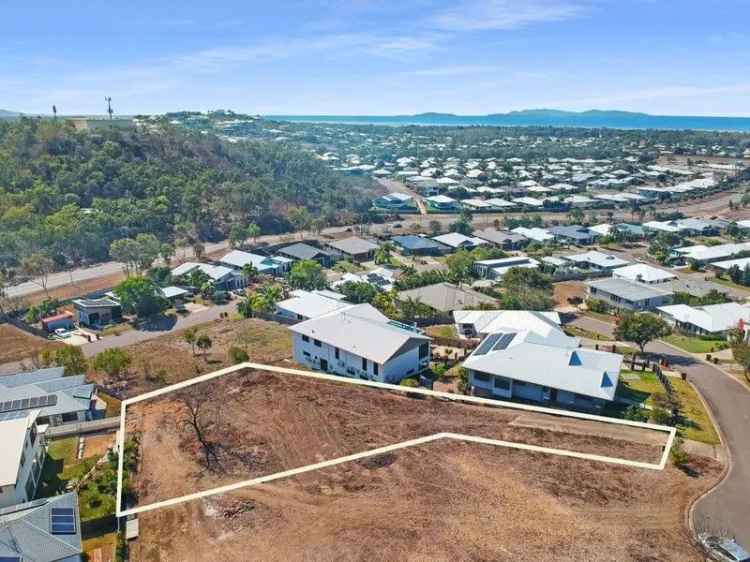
62,333
398,225
723,549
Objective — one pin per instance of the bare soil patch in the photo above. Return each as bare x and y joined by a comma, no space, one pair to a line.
440,502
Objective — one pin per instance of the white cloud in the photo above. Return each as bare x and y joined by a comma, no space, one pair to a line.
477,15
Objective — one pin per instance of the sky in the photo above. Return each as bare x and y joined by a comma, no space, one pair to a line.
368,57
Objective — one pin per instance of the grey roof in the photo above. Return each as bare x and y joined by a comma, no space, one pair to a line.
499,236
354,245
576,232
446,297
628,290
26,533
72,392
302,251
96,303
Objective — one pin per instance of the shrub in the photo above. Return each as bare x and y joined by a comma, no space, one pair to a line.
598,306
411,383
238,355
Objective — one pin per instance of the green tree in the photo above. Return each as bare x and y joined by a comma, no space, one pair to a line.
460,265
140,296
190,335
641,328
204,343
383,254
358,292
38,266
114,361
300,218
69,357
435,227
307,275
252,232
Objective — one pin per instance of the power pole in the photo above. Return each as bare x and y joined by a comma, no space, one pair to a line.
54,112
109,106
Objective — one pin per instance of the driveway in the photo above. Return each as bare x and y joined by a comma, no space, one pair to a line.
158,329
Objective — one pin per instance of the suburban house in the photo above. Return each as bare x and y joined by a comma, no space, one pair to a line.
359,341
574,234
708,254
596,260
644,273
536,234
446,297
496,268
44,530
381,278
303,305
411,244
22,456
740,263
538,362
395,202
480,323
97,312
629,295
504,239
301,251
354,248
54,397
712,319
442,203
459,241
223,278
266,265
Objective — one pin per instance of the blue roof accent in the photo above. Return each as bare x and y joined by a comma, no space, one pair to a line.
575,360
413,242
606,381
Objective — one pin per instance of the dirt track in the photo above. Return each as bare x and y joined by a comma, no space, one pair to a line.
444,501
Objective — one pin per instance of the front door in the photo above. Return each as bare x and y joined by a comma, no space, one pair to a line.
324,365
553,395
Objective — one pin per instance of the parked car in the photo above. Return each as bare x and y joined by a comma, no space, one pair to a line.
724,549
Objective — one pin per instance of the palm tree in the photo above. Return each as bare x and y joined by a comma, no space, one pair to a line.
383,254
249,272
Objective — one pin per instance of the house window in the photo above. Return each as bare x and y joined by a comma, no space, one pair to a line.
501,383
306,354
317,343
481,377
364,364
336,352
519,383
70,417
305,339
424,350
375,368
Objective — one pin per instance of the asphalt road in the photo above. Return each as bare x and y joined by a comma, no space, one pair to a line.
728,505
709,206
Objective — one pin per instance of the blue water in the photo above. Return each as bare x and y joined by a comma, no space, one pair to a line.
593,119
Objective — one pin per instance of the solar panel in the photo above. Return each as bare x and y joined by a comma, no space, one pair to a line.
503,342
34,402
63,521
487,344
10,559
27,403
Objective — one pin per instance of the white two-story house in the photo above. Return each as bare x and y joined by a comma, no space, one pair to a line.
359,341
21,457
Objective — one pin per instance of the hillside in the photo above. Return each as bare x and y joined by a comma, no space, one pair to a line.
72,193
4,114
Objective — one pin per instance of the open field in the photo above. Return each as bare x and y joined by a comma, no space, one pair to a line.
693,344
169,359
17,345
442,501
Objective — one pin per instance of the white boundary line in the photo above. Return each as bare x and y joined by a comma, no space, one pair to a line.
380,450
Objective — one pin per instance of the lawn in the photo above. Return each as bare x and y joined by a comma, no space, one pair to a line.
693,344
442,331
62,465
345,266
583,333
731,284
696,423
113,404
106,543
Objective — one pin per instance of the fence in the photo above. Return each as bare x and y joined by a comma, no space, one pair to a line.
78,428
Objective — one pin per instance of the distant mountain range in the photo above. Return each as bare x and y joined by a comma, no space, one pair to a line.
5,113
539,117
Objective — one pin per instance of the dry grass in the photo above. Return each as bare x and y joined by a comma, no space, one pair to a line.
444,501
17,345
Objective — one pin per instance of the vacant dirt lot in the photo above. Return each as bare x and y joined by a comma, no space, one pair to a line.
17,345
443,501
169,359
